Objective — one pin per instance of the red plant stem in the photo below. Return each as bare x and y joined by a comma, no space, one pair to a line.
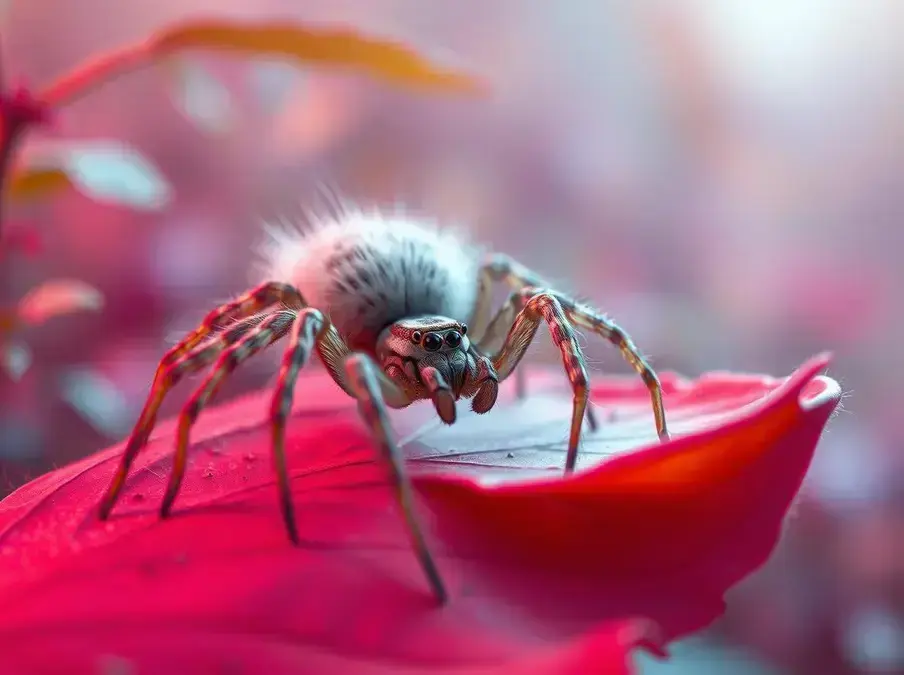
70,87
11,132
99,70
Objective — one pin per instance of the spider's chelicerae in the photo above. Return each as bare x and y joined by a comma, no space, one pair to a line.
398,311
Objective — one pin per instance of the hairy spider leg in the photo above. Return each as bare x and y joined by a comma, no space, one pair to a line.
308,329
590,319
586,317
372,389
364,378
500,268
183,358
176,364
497,268
538,306
262,335
259,298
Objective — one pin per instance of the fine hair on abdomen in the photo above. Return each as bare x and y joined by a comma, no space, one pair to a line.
368,269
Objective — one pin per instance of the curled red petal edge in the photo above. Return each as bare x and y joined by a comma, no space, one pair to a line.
694,474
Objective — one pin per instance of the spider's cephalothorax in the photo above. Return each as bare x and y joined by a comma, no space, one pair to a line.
431,357
398,310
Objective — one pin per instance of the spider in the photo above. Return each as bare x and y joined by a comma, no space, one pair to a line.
398,310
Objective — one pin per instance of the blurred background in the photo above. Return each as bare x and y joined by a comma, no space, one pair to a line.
725,177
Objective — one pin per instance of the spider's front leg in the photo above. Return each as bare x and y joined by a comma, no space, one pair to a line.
360,377
189,356
537,307
372,389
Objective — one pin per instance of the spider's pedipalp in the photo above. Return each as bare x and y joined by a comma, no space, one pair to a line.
362,374
310,326
543,306
263,334
440,394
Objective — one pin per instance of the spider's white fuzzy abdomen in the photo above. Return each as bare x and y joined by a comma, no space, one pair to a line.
367,269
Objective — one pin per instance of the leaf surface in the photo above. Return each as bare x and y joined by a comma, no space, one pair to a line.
32,183
546,574
105,170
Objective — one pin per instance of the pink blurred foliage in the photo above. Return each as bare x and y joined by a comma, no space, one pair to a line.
728,188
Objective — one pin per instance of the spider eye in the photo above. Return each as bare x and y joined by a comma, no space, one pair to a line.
464,329
432,342
453,339
416,336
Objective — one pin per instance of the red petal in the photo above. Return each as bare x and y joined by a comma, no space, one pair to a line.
542,575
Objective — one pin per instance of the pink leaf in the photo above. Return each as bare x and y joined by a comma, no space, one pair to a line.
546,574
58,297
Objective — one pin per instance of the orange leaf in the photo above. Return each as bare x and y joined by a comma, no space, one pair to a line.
342,47
32,183
57,297
9,321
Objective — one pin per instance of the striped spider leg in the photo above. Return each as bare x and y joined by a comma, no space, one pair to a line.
374,391
355,373
360,377
189,356
531,306
489,329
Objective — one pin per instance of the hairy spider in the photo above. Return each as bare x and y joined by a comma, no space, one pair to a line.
398,311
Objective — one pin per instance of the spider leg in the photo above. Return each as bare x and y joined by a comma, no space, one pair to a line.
169,373
496,268
246,305
258,338
540,306
309,328
369,390
500,268
587,318
592,320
